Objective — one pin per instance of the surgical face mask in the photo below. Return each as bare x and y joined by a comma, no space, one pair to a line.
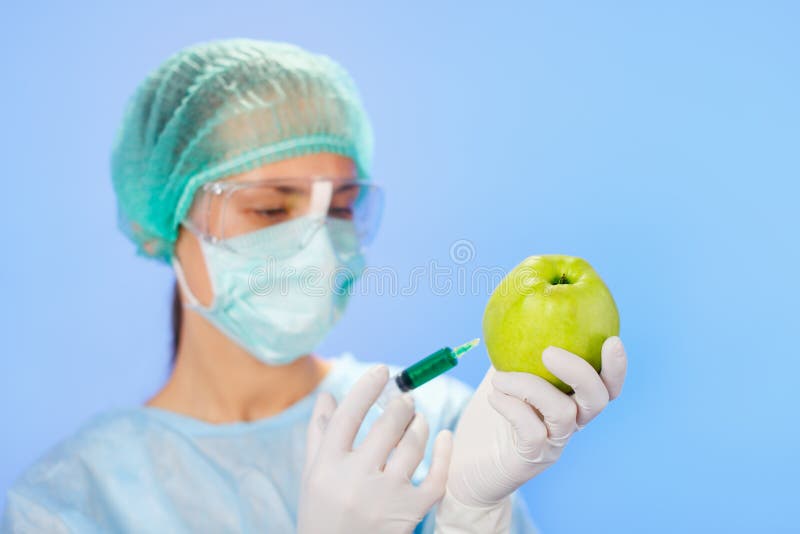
279,308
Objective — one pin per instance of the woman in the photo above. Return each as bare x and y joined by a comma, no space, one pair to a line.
245,165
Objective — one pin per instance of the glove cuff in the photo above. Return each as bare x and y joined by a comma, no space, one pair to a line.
455,517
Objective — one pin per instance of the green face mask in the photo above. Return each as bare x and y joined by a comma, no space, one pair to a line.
280,309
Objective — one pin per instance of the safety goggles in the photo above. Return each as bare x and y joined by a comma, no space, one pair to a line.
233,213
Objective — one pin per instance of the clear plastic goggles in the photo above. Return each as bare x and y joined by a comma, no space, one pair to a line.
233,213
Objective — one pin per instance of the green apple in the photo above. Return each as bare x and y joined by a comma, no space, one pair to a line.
548,300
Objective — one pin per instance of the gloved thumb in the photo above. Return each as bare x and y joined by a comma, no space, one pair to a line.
614,366
323,410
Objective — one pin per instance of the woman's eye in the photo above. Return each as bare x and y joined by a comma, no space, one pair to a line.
271,212
341,213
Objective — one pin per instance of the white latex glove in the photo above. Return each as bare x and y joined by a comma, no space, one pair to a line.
363,490
501,441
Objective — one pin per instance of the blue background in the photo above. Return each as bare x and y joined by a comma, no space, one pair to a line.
657,140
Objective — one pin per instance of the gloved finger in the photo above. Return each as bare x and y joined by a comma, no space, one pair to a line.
320,416
387,431
614,366
531,434
410,450
591,394
558,410
347,418
432,488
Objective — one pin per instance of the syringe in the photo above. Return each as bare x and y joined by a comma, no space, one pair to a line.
423,371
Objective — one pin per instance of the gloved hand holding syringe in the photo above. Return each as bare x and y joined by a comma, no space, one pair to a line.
423,371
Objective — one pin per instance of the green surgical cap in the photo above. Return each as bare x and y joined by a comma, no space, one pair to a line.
221,108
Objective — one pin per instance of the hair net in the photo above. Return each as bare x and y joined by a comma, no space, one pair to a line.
220,108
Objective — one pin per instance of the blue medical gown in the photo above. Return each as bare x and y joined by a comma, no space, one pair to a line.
150,470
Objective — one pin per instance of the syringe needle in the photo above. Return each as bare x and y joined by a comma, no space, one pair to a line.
461,349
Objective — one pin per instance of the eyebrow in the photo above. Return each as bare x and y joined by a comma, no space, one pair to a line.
285,188
347,185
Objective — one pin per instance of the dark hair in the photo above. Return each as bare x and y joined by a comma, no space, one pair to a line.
177,320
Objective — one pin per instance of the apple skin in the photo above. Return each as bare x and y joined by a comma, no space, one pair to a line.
548,300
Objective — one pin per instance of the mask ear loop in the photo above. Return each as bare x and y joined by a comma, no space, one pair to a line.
192,300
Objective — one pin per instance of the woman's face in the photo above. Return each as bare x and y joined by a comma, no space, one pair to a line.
187,248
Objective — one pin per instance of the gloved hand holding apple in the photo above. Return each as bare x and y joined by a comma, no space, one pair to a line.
548,301
551,331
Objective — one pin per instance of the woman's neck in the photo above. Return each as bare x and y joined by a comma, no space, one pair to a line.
217,381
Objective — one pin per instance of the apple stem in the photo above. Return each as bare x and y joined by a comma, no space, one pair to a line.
563,278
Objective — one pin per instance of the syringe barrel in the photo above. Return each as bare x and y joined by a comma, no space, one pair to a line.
417,374
429,367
